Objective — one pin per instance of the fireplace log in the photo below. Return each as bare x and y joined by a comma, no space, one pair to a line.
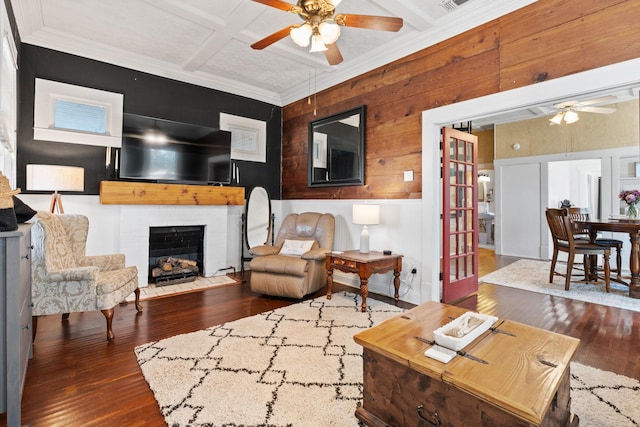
170,263
157,272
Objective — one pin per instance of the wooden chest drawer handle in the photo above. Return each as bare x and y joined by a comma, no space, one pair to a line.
434,417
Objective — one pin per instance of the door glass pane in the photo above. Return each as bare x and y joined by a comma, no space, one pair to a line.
452,244
469,197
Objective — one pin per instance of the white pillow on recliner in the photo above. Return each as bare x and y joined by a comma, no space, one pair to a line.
296,247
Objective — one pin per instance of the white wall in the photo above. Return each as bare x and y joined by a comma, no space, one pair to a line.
518,210
399,231
575,180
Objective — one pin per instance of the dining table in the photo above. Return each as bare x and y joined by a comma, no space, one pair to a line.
621,225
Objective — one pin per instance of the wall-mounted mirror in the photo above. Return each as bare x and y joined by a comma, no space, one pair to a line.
336,149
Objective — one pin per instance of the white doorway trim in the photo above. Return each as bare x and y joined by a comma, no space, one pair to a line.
616,76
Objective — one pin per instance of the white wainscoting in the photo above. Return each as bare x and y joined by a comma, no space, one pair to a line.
400,230
125,229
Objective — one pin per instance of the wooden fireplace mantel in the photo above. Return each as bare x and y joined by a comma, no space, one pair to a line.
146,193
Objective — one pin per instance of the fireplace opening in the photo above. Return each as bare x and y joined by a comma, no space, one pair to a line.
175,254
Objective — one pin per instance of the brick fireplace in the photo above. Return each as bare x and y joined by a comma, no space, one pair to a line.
136,220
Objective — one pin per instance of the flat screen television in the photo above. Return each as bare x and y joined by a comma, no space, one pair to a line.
166,151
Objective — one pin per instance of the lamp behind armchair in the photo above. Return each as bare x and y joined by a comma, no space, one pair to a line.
55,178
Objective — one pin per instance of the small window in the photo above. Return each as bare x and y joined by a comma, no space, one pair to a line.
80,117
76,114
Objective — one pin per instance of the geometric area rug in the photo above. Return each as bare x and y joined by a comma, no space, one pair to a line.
533,275
299,366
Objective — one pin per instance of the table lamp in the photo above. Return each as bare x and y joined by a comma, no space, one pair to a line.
365,214
55,178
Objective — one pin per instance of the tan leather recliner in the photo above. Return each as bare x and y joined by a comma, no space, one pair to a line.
294,276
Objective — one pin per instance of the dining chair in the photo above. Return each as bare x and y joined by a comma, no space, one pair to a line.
577,214
563,241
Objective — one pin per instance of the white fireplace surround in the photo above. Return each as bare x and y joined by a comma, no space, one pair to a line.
134,233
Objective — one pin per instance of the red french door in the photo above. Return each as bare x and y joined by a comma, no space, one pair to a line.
459,214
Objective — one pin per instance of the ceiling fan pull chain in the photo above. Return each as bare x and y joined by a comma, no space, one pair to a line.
309,97
315,92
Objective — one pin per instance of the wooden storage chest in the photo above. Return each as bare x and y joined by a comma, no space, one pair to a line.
524,382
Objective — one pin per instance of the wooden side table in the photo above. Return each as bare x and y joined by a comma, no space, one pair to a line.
364,265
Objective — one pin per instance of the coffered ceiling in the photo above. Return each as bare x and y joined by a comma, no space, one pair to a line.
207,42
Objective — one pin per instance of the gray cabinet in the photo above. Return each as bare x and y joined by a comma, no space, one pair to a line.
15,318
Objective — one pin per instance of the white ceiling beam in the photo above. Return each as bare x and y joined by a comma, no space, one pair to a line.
409,12
236,23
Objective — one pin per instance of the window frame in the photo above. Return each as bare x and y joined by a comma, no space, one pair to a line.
48,91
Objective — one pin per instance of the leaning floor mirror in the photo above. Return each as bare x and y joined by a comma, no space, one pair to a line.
257,222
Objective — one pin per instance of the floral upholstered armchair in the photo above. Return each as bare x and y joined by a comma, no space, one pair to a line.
65,280
295,265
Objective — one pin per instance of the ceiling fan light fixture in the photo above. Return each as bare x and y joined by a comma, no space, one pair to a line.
329,31
571,117
557,119
317,44
301,35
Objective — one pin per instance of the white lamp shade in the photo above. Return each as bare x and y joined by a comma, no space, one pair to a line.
366,214
316,43
571,117
557,119
329,32
301,35
55,178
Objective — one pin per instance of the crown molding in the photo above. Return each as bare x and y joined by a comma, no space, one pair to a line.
61,42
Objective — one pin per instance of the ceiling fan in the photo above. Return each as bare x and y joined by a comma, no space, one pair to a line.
321,26
569,109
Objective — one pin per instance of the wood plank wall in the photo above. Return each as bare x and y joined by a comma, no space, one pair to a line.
546,40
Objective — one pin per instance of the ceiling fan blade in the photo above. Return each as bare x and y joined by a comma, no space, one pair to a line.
599,110
371,22
565,104
333,55
598,100
282,5
269,40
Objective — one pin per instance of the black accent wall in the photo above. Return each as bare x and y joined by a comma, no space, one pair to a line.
144,94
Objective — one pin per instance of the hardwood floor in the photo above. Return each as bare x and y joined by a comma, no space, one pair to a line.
78,378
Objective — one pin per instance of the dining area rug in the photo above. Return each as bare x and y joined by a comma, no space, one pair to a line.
533,275
299,366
